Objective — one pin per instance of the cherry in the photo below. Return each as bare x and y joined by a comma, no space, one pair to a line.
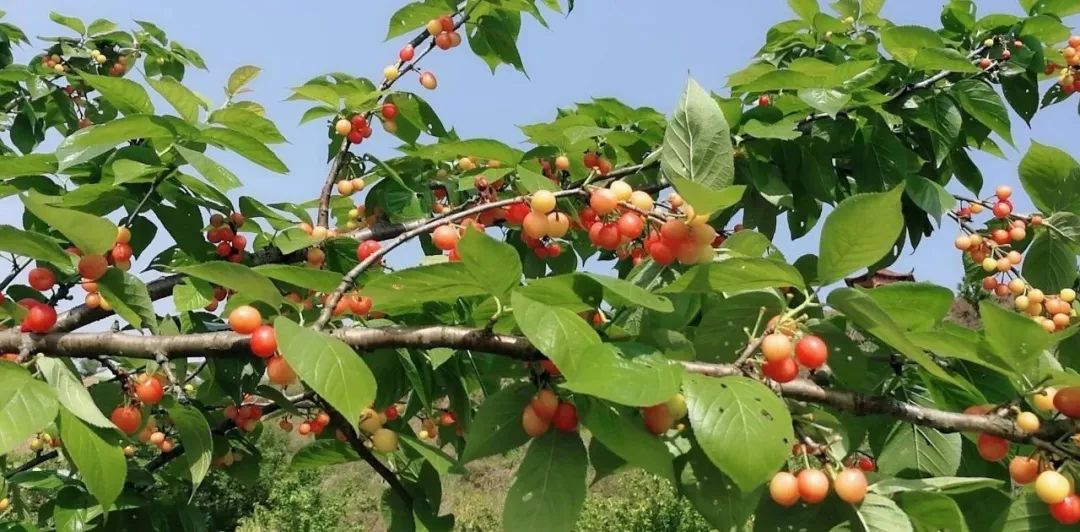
764,100
391,413
603,201
1002,209
776,347
558,225
342,127
384,441
279,372
446,22
39,318
1067,400
121,252
361,306
263,340
355,136
850,485
433,27
866,463
445,237
1023,469
389,111
223,249
674,231
813,485
992,448
784,489
516,213
550,368
590,160
811,351
535,225
1028,422
366,249
42,278
545,403
604,236
443,41
245,319
237,219
407,53
562,163
543,201
658,419
149,390
533,424
1003,192
428,81
603,166
985,63
1052,487
1067,512
127,419
661,253
784,370
566,418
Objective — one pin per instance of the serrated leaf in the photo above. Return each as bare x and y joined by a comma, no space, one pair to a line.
248,123
244,146
127,96
559,334
549,486
236,277
239,78
129,298
411,288
72,393
70,22
183,99
97,455
737,274
980,100
198,442
215,173
90,142
859,232
29,164
27,405
697,143
91,234
321,453
629,441
491,263
496,427
1052,178
33,245
628,374
310,278
329,366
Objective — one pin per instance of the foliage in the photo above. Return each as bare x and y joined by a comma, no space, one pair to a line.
705,357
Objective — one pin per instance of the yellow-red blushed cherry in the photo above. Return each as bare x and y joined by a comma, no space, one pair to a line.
603,201
279,372
245,319
149,391
776,347
850,485
658,418
407,53
428,81
784,489
1052,487
543,201
127,419
533,424
813,485
445,237
545,403
992,448
1023,469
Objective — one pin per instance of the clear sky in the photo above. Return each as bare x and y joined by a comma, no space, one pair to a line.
636,50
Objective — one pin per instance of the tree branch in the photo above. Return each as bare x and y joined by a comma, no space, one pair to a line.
357,445
228,344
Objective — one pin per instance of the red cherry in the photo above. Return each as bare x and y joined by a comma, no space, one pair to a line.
263,341
391,413
223,249
1002,209
566,418
149,391
517,212
356,136
407,53
591,160
811,351
121,252
630,225
661,253
992,448
389,111
41,278
447,23
39,319
366,249
764,100
783,370
127,419
238,242
866,463
1067,512
1067,401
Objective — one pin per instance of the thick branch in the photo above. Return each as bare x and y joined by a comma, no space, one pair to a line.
228,344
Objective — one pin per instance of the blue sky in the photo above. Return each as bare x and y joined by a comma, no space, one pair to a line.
638,51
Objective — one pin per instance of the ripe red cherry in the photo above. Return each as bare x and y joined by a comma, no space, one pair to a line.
566,418
445,237
41,278
407,53
813,485
660,252
630,225
1002,209
149,390
658,419
866,463
517,212
223,249
545,403
366,249
443,41
764,100
39,319
356,136
127,419
447,23
550,368
811,351
783,370
1067,401
389,111
1067,512
590,160
263,341
121,252
992,448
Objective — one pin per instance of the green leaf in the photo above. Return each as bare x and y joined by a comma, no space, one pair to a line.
239,78
737,274
620,293
880,514
627,439
319,93
91,234
1013,338
827,101
941,59
312,279
782,130
1047,28
322,453
329,366
198,442
1028,513
415,15
493,38
720,336
629,374
805,9
479,148
863,311
559,334
127,96
71,22
1022,93
236,277
549,486
943,119
97,455
981,101
859,232
697,143
741,425
244,146
33,245
780,80
129,298
905,42
29,164
132,171
183,99
913,306
192,294
248,123
1050,262
931,197
491,263
707,199
496,427
217,175
944,485
713,493
933,511
72,393
913,450
87,143
27,405
410,289
1052,178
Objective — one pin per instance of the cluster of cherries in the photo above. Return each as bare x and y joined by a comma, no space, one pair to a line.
783,354
42,440
1068,80
1053,312
811,486
371,424
247,319
355,128
246,416
546,410
444,32
229,244
145,389
1052,487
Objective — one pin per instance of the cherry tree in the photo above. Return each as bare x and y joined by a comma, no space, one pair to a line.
770,397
